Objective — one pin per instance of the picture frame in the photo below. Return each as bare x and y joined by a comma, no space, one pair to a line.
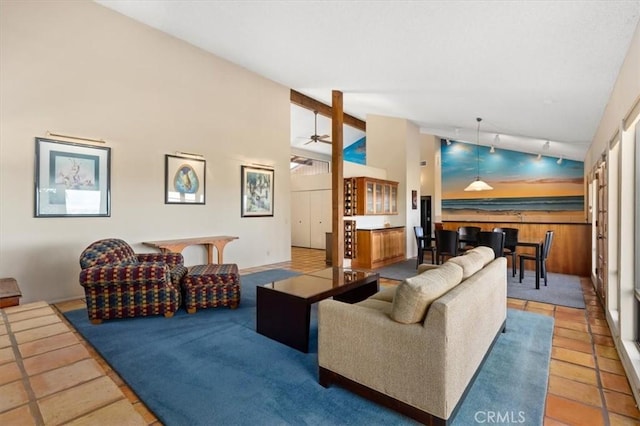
414,199
184,180
71,179
257,186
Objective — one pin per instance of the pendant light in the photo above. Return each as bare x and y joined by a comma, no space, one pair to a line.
478,185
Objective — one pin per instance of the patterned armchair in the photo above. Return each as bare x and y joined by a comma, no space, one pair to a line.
119,283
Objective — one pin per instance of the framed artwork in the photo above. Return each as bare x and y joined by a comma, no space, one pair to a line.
414,199
71,179
257,191
184,180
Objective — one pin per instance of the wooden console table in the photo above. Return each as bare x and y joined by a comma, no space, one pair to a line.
178,245
9,292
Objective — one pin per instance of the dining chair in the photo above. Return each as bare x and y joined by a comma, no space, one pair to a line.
424,244
510,244
446,244
546,248
468,237
495,240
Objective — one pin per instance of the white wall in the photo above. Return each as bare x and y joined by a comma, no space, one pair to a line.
310,182
393,144
81,69
618,123
429,144
625,92
430,174
412,177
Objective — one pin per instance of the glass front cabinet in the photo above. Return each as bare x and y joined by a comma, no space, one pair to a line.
373,196
369,199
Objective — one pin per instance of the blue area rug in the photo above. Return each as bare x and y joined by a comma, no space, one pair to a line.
400,270
561,289
213,368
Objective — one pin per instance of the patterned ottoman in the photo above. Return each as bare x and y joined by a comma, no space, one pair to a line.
209,286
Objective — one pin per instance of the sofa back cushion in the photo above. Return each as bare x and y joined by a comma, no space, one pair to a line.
472,261
415,294
107,251
486,253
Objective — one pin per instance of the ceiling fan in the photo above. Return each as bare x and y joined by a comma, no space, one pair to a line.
315,137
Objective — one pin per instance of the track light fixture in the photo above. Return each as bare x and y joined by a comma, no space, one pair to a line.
539,157
546,146
448,142
559,160
493,149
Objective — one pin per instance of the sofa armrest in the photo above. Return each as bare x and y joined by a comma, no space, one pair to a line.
469,316
130,274
171,259
368,347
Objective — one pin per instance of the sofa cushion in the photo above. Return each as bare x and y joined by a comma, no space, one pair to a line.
470,263
386,294
378,305
426,266
487,254
415,294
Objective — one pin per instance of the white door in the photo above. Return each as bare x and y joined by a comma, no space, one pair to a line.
320,217
300,230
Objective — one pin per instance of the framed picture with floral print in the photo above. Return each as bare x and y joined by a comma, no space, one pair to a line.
71,179
257,191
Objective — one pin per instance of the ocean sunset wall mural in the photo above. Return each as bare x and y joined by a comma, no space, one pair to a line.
522,183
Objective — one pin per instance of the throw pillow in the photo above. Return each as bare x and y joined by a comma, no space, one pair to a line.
415,294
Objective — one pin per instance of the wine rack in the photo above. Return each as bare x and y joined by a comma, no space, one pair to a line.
370,196
350,197
350,243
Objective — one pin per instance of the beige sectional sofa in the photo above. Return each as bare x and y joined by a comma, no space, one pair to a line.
417,347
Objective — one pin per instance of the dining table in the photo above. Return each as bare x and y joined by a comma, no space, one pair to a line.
538,248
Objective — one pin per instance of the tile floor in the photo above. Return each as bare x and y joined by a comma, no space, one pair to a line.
49,375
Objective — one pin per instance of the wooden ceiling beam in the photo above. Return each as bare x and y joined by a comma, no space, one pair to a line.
307,102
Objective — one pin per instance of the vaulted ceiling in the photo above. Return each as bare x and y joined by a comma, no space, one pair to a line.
533,70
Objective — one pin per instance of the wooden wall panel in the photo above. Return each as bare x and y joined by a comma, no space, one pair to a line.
570,250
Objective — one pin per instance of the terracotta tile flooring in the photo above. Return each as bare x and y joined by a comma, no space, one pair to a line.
49,375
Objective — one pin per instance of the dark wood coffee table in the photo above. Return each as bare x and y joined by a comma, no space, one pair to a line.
283,310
